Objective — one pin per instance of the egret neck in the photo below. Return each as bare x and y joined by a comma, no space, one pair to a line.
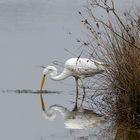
41,98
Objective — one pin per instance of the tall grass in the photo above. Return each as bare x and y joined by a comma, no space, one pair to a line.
115,39
124,74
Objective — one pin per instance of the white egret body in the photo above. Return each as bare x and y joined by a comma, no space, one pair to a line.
79,68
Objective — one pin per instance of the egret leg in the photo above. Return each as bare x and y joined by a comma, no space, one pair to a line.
75,107
83,96
84,92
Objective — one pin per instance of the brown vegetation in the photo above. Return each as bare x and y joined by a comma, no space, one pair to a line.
115,39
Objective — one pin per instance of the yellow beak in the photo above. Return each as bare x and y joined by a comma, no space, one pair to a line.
41,98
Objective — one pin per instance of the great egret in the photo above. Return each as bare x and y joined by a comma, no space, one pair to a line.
78,119
79,68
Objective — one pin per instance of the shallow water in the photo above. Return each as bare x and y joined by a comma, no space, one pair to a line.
34,33
21,118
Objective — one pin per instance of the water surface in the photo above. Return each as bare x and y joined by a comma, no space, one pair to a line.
35,33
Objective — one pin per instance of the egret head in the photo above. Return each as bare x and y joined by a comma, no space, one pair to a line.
46,71
43,78
49,70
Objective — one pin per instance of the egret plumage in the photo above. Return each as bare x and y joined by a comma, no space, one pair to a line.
79,68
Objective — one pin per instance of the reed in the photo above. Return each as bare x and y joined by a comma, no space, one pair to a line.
115,39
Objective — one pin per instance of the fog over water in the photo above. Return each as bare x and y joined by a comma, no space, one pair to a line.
35,33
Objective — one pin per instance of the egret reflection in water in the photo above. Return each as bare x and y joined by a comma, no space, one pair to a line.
77,119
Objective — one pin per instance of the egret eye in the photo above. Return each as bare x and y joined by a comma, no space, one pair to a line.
50,70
